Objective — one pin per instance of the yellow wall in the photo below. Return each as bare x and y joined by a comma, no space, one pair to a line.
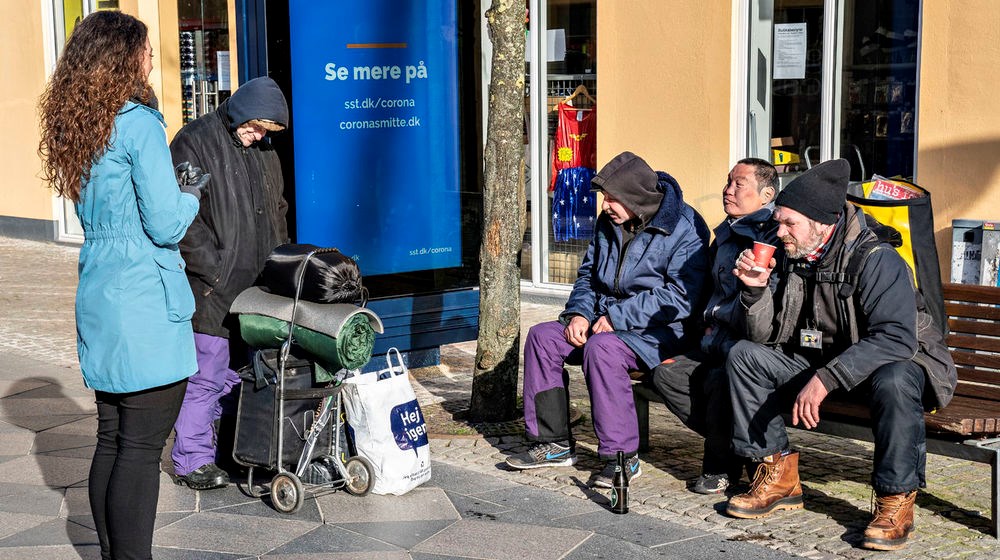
161,19
958,134
22,65
664,79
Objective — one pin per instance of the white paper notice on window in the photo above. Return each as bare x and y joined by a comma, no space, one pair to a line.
555,45
222,59
789,51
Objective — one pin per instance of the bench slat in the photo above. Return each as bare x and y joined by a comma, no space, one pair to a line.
965,416
972,311
987,392
971,293
973,327
978,360
968,342
985,376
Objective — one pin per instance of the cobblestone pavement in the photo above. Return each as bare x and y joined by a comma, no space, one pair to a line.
37,284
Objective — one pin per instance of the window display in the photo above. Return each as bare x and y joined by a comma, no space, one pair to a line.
204,56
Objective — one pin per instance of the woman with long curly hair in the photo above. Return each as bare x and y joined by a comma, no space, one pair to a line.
105,149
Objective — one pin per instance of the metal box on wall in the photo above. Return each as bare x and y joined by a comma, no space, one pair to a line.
990,254
966,251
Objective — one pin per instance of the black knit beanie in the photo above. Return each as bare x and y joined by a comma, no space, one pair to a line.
820,193
630,180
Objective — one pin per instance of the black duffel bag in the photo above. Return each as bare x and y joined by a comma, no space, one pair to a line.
328,276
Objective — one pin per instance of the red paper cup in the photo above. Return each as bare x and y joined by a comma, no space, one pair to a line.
762,253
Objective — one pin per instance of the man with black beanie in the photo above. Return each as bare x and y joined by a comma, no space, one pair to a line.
843,318
242,218
641,278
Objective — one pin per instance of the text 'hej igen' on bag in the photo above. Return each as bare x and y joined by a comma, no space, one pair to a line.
388,426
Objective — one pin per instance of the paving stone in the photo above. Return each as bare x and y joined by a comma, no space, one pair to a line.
235,534
502,541
53,552
35,530
30,499
43,470
420,504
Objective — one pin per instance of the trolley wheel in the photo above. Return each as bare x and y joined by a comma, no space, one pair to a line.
360,476
287,494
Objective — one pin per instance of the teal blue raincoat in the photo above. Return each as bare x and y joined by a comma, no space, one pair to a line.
133,302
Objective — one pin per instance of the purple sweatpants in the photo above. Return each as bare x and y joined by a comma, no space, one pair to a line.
606,362
194,444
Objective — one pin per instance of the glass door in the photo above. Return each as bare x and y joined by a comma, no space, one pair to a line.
204,56
66,14
560,138
833,78
877,110
786,79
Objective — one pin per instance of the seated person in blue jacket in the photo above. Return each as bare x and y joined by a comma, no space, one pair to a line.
641,278
695,386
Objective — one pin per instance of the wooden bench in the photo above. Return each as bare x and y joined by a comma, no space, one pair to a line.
967,428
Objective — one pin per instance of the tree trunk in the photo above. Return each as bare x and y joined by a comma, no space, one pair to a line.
494,385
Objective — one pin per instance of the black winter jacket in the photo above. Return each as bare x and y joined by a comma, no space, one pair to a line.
242,215
877,325
722,311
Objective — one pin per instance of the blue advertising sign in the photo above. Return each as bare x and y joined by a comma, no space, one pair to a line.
375,108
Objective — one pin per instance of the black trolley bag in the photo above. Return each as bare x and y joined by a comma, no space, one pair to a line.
256,443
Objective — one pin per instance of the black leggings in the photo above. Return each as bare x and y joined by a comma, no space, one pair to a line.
132,429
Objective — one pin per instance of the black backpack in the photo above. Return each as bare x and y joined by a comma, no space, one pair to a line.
933,354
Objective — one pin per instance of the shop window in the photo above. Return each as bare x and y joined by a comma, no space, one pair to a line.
204,56
834,79
561,209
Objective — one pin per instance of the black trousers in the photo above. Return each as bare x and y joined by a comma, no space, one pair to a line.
765,382
124,485
695,388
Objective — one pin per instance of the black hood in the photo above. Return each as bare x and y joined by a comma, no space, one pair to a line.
629,179
260,98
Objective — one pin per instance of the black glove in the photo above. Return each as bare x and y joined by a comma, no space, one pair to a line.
191,179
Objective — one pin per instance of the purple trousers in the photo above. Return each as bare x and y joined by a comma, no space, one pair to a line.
606,362
194,443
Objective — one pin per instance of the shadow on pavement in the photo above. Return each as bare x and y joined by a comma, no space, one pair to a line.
50,479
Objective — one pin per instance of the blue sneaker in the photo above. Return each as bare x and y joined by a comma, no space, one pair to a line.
603,479
543,455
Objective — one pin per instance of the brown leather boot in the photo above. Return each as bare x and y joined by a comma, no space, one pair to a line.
892,522
775,486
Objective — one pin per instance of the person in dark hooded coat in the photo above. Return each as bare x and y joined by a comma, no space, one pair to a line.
242,218
641,279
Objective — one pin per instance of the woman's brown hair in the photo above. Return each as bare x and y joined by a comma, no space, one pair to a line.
99,70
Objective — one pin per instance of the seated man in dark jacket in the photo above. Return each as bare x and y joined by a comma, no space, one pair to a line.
813,337
242,218
694,386
643,273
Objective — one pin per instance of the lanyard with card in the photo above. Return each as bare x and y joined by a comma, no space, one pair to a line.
811,338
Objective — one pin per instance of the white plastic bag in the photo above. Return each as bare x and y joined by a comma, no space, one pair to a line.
388,426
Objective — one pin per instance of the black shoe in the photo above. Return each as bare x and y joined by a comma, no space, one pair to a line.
205,477
711,484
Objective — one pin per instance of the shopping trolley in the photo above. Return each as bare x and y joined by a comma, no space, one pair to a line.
288,424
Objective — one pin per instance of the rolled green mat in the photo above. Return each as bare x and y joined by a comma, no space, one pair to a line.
350,349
